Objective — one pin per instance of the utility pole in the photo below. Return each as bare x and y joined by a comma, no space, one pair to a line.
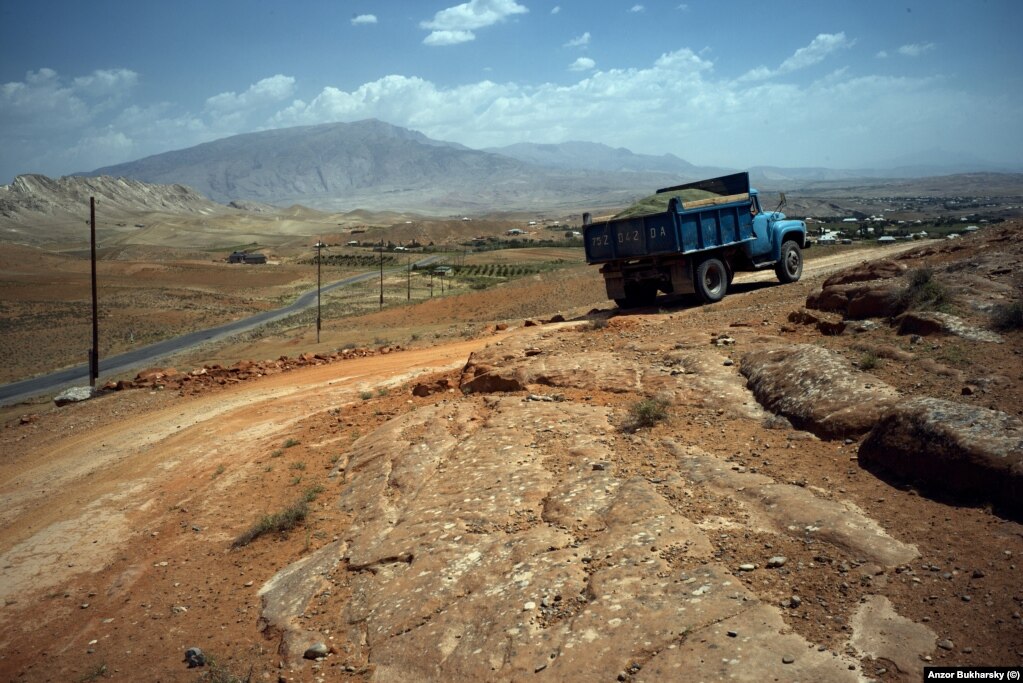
381,274
318,246
94,351
408,265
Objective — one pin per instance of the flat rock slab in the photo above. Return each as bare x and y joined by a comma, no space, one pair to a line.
951,449
817,390
763,649
793,510
486,546
287,594
880,632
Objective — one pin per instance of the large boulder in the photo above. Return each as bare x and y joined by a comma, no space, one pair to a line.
951,449
817,390
858,300
869,290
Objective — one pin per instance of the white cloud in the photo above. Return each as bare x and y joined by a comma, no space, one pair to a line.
579,41
106,82
266,91
364,19
472,15
44,98
916,49
684,7
882,55
817,51
582,64
637,9
555,9
676,104
449,37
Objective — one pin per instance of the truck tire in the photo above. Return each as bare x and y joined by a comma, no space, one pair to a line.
638,295
711,280
790,266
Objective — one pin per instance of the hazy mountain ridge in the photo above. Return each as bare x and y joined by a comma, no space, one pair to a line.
376,166
593,156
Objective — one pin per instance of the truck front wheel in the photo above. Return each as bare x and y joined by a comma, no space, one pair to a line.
711,281
790,266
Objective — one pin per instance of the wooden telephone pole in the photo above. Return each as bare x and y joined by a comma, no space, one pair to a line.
94,351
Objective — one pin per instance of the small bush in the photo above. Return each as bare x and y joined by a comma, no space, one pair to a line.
97,672
924,292
297,465
291,442
598,323
285,520
647,413
1008,316
366,395
217,673
869,361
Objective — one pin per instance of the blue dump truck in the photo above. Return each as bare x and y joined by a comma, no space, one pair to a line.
692,238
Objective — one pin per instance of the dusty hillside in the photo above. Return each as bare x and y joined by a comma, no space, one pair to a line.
686,493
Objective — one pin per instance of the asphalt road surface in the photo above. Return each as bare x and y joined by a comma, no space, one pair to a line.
149,355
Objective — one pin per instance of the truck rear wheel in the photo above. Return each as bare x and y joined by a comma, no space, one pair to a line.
711,281
790,266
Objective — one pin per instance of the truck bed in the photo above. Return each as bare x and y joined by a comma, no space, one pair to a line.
682,229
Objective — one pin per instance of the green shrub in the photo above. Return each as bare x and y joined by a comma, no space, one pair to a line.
647,413
1008,316
291,442
869,361
285,520
924,292
217,673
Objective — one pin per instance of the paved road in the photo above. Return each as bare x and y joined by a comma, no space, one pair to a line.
149,355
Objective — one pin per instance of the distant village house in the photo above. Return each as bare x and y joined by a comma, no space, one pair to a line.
242,257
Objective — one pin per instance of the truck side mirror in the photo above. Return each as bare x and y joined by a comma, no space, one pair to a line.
587,218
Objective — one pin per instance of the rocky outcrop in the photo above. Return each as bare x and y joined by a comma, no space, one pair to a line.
928,322
495,538
951,449
817,390
869,290
517,365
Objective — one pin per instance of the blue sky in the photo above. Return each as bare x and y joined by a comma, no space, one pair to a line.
739,83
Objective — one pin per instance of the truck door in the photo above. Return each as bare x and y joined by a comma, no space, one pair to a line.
761,246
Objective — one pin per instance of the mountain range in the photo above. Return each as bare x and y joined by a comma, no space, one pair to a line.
374,165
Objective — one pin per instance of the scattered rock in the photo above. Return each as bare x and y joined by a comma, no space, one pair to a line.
777,561
316,651
194,657
74,395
